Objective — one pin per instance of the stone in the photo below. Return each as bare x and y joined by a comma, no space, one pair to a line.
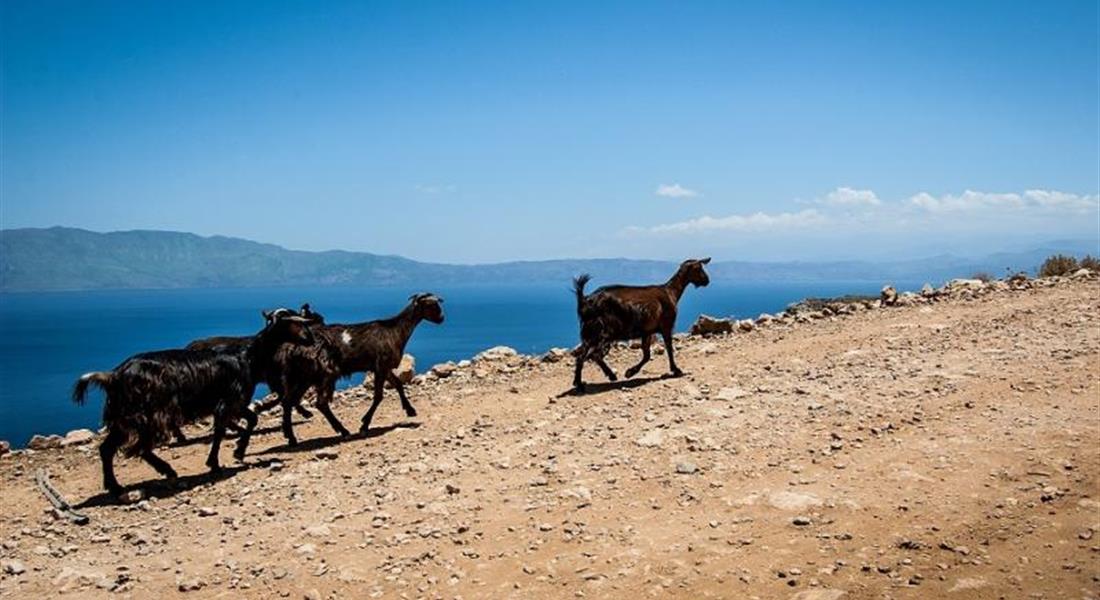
652,439
555,355
78,437
822,594
325,454
406,369
745,325
686,468
731,393
42,442
1081,274
206,511
888,296
708,325
443,370
190,584
801,521
496,353
786,500
13,567
5,447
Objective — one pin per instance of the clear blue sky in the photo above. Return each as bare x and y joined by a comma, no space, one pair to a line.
465,132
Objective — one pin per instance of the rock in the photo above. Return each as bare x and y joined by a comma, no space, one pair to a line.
745,325
819,595
1081,273
443,370
555,355
325,454
927,290
406,370
764,319
958,285
313,594
652,439
707,325
888,296
78,437
318,531
13,567
70,579
496,353
451,489
731,393
206,511
41,442
190,584
5,447
968,583
686,468
801,521
786,500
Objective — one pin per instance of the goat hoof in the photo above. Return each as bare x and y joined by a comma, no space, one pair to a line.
410,413
629,373
305,413
363,429
579,389
292,442
171,476
677,373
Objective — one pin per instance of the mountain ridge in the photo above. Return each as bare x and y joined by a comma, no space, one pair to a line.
69,259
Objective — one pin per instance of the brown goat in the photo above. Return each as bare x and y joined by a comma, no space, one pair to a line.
620,312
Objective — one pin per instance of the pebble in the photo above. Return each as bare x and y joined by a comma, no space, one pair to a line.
686,468
801,521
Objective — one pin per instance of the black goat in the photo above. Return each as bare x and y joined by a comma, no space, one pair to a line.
621,312
344,349
272,374
151,394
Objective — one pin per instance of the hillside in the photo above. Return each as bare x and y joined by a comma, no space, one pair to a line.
61,258
941,449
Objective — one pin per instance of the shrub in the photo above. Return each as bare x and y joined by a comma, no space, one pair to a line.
1059,264
982,276
1091,263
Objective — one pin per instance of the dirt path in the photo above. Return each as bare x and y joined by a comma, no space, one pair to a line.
949,450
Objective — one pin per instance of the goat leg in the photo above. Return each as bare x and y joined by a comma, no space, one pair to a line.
250,420
606,369
107,451
578,385
410,410
215,444
667,337
159,464
379,385
632,371
324,397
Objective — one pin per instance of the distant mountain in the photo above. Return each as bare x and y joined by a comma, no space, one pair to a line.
60,258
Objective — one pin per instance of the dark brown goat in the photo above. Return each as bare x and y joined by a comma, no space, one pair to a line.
620,312
150,394
343,349
272,377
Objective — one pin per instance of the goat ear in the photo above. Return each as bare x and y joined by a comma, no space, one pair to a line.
705,260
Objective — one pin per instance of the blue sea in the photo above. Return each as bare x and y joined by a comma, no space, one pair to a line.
47,340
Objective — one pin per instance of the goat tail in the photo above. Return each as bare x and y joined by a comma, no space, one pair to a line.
100,378
578,288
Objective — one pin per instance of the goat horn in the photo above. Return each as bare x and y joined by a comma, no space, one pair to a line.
705,260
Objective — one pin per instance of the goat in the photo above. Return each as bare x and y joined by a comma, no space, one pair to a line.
619,312
344,349
306,312
152,393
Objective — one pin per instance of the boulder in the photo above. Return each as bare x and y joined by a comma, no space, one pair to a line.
707,325
555,355
496,353
443,370
927,290
78,437
764,319
406,370
745,325
956,286
5,447
888,296
42,442
1081,274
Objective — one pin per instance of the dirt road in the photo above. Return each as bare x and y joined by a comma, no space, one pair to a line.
942,450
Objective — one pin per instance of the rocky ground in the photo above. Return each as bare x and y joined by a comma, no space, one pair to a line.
939,449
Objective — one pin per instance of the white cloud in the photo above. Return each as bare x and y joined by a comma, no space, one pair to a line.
848,211
1035,201
755,222
675,190
846,196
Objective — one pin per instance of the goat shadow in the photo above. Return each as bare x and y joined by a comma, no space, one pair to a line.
622,384
208,437
335,440
166,488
